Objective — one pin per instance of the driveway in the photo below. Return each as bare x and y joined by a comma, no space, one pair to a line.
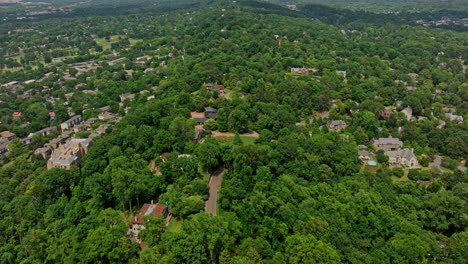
215,185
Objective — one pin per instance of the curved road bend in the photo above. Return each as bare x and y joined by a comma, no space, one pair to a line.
215,184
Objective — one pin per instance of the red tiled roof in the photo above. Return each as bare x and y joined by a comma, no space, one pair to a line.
51,113
156,209
16,114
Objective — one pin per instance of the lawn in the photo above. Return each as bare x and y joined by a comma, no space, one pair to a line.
402,179
175,226
106,45
248,140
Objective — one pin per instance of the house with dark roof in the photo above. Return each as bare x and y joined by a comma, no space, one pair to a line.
336,125
365,155
201,117
210,112
137,224
387,143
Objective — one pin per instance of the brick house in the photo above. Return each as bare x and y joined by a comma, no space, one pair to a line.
137,223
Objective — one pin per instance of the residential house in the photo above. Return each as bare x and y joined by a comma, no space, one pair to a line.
89,91
26,140
51,116
387,143
103,128
218,87
80,127
449,110
106,116
69,95
414,75
342,73
365,155
137,223
336,125
13,86
127,96
411,88
17,114
209,86
44,152
386,113
7,135
104,108
403,157
76,119
66,134
408,111
69,154
116,61
300,70
455,118
146,57
55,143
46,131
210,112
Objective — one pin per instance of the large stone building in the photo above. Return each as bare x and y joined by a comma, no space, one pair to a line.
404,157
68,154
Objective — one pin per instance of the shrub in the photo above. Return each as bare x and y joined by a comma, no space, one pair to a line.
449,163
414,174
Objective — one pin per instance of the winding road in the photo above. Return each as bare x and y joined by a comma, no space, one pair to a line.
215,184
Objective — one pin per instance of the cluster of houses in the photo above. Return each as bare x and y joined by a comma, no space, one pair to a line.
392,147
65,150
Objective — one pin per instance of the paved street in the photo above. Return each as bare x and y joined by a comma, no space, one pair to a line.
215,184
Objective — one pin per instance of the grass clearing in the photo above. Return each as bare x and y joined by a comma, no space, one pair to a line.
405,178
175,226
106,44
248,140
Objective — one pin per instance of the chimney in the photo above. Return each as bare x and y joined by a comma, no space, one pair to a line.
135,218
151,201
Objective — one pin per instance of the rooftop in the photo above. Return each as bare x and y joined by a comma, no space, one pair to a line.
147,209
68,153
7,134
389,141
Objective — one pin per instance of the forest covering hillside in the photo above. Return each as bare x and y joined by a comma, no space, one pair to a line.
295,189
